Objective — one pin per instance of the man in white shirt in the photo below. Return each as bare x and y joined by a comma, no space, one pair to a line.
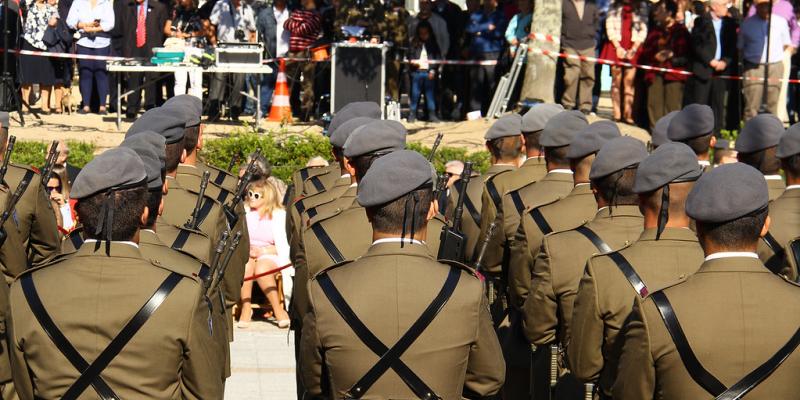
269,22
753,40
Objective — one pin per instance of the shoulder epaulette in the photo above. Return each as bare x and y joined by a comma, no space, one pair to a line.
55,260
25,167
322,217
466,268
157,263
539,206
331,267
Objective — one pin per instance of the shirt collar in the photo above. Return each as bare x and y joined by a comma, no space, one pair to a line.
793,187
354,184
345,176
773,177
704,163
560,171
729,254
397,240
129,243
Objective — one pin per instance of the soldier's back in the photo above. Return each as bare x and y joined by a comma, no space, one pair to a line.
97,296
34,215
784,226
444,354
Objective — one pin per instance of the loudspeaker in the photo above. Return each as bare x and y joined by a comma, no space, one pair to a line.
358,73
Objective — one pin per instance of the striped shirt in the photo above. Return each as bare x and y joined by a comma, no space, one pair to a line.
305,27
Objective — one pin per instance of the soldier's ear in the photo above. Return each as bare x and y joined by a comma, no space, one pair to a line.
145,215
765,229
183,156
712,142
433,210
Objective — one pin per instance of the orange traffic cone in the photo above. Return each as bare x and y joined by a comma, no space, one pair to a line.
281,110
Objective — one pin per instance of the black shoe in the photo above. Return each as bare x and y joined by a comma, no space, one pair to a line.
212,119
434,119
411,118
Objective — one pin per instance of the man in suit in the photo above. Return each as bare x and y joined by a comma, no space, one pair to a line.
452,354
713,53
62,158
667,250
558,268
138,29
108,274
676,349
756,146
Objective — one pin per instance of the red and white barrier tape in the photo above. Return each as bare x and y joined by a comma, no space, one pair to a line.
270,272
69,55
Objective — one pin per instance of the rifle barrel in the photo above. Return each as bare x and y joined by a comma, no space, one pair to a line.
193,222
12,202
436,144
228,254
484,246
462,192
7,157
49,162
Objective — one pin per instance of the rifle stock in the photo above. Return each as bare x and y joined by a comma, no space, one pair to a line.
224,266
452,241
50,161
436,144
7,157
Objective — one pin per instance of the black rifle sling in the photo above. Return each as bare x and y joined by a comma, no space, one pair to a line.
376,346
184,234
540,221
123,337
64,346
630,274
473,211
327,243
299,206
518,203
304,174
701,375
795,245
596,241
76,239
492,190
317,183
424,320
312,212
690,361
220,178
775,263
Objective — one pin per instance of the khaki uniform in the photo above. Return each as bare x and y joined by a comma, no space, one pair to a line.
34,215
321,182
558,269
578,207
605,298
732,314
458,352
776,188
166,359
297,212
300,176
784,213
219,177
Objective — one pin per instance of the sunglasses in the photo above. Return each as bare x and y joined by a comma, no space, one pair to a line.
51,188
253,195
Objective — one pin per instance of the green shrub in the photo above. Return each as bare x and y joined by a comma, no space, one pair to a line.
33,153
480,159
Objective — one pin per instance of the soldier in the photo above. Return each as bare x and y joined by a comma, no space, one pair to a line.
559,266
694,126
146,308
34,215
659,134
784,212
436,351
150,147
667,250
756,147
505,143
676,349
724,152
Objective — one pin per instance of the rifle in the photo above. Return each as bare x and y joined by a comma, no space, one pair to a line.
436,144
6,159
232,163
230,208
194,220
224,265
12,203
49,163
554,350
215,260
452,240
479,261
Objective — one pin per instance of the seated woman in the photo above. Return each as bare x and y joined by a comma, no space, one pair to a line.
269,249
58,192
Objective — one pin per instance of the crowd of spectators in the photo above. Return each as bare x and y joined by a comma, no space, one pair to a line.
709,39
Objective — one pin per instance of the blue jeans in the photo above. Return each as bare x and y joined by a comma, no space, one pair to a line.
420,83
267,87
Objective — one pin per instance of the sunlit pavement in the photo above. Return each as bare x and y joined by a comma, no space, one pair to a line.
262,363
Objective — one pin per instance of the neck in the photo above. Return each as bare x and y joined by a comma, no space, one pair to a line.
421,235
703,156
533,153
674,221
710,248
172,174
552,166
579,178
191,158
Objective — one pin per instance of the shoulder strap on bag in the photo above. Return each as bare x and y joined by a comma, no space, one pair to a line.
596,241
630,274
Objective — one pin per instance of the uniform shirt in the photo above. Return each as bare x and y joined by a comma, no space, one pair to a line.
753,37
82,12
228,20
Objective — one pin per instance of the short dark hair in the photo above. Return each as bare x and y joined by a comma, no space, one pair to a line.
532,140
557,156
719,153
362,164
791,165
154,197
388,217
505,148
173,157
677,198
338,153
763,160
739,233
191,136
617,188
700,144
129,206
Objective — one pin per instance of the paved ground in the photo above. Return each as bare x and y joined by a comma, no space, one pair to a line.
262,364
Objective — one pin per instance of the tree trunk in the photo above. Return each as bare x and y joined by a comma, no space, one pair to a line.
540,74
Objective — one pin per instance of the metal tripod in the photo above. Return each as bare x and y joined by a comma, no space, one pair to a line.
505,88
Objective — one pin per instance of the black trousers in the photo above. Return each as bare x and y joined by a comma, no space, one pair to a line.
233,84
143,81
711,92
482,83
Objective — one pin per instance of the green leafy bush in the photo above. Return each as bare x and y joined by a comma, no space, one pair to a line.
33,153
480,160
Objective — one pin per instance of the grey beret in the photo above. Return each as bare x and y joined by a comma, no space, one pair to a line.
117,168
161,120
536,118
562,128
352,110
189,106
392,176
376,136
693,121
659,134
592,138
340,135
505,126
4,118
724,144
150,148
789,144
726,193
617,154
760,132
670,162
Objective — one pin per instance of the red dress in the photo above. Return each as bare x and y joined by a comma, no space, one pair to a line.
609,52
